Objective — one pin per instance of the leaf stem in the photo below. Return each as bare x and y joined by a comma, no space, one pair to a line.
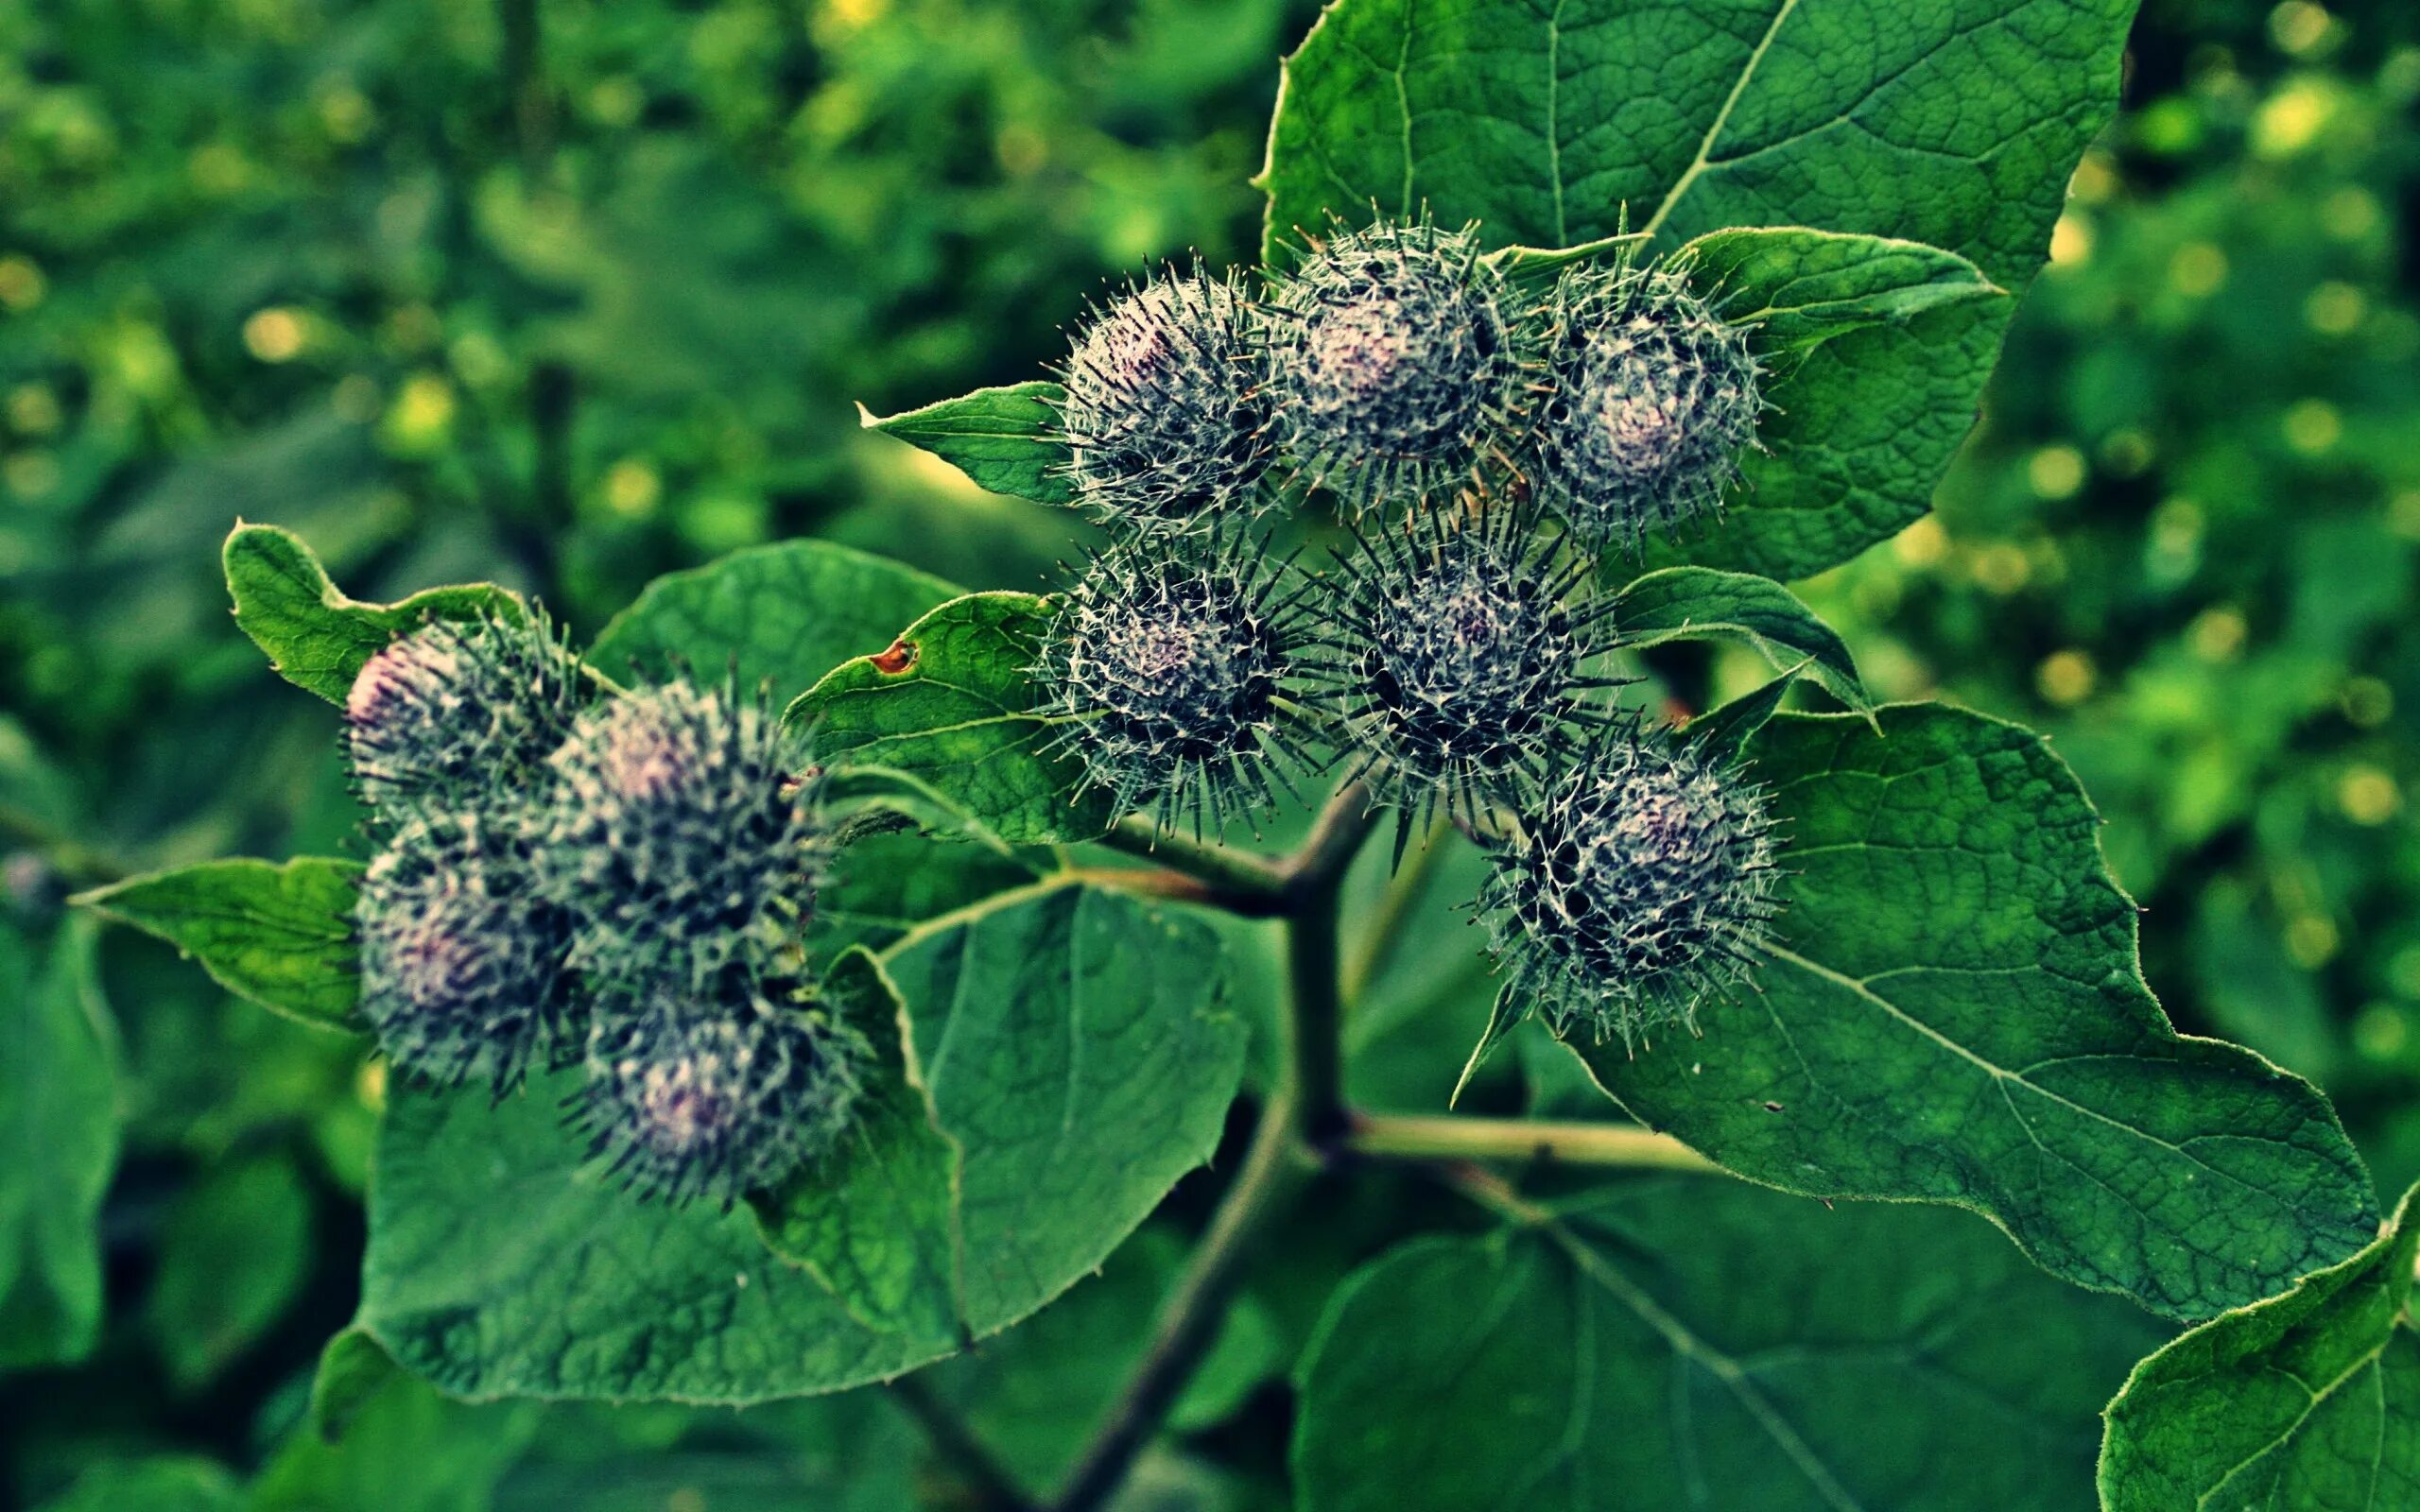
1238,880
989,1481
1453,1139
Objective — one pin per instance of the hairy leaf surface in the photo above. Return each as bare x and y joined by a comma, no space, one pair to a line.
784,614
1696,1343
2309,1399
1956,1014
952,705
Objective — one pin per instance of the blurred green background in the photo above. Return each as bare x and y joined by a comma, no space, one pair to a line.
574,295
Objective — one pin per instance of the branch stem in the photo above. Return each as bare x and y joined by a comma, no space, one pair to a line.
988,1481
1455,1139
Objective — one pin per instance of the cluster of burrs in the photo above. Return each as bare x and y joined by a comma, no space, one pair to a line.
1484,437
569,875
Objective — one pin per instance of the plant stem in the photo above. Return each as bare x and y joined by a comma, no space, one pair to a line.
1237,879
1305,1106
958,1447
1273,1171
1449,1139
62,852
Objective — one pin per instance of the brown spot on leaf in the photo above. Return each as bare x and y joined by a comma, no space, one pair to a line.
901,656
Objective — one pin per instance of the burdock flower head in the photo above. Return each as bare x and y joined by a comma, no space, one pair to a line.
719,1093
1165,418
1641,884
461,962
1653,400
684,823
1463,649
1396,358
1168,672
458,710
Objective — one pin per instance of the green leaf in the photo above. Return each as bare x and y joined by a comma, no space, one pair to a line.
1800,288
398,1445
1006,440
784,613
59,1107
235,1252
1074,1055
500,1264
1036,1395
1077,1049
1700,604
2309,1399
164,1483
875,1222
1956,1014
952,705
1723,734
1876,351
316,637
279,934
1687,1344
1956,125
1953,126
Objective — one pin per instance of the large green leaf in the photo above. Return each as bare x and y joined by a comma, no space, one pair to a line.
952,705
1006,440
2306,1400
875,1223
1953,126
784,614
1700,604
1694,1343
1078,1050
279,934
59,1108
316,637
501,1265
1954,123
1078,1060
1955,1014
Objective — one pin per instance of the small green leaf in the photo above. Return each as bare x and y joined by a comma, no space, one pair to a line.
1006,440
1668,1346
317,638
785,613
59,1105
236,1250
1800,288
1700,604
952,705
279,934
2309,1399
397,1444
162,1483
1956,1014
1723,733
873,1222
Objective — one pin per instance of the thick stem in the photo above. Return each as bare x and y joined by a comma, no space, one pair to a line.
1273,1171
1235,880
1380,1136
958,1447
1306,1107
